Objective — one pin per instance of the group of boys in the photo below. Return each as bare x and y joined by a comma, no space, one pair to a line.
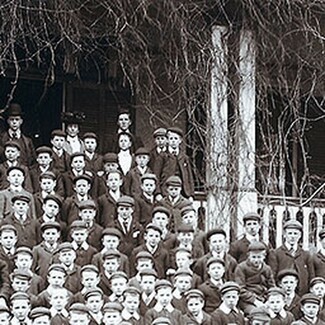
114,239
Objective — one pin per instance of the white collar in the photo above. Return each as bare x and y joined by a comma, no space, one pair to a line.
149,197
115,195
147,299
21,218
177,294
84,246
90,155
48,219
59,152
10,251
219,255
158,307
171,151
150,249
77,173
12,163
44,169
216,283
282,313
11,133
160,150
124,153
142,170
127,316
16,189
288,246
322,251
174,200
45,194
97,317
188,247
82,198
226,309
121,221
63,312
50,247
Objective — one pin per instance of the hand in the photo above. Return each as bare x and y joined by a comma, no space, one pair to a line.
258,303
170,272
159,197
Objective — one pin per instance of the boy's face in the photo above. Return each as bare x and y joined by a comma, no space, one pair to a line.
292,236
4,318
174,140
124,142
147,283
310,309
8,238
216,271
14,122
195,306
111,264
12,153
144,263
20,309
289,284
56,278
110,242
161,141
174,191
124,121
72,130
131,303
20,285
142,160
95,303
51,208
79,235
78,163
152,237
44,159
318,290
217,243
183,283
67,257
190,218
256,258
58,142
59,299
82,187
118,285
164,296
185,238
87,215
252,227
110,166
124,212
78,319
20,207
183,260
51,235
276,303
90,144
16,177
23,261
89,279
47,184
114,181
148,186
160,219
112,317
231,298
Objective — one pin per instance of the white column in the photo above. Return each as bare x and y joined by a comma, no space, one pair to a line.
218,198
247,197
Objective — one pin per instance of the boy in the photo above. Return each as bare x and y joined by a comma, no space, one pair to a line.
40,316
310,305
194,309
23,223
12,153
79,234
152,244
175,162
160,137
107,202
131,303
16,178
94,301
163,307
118,283
182,284
291,256
8,241
228,312
124,155
275,302
87,213
317,287
94,161
43,252
259,316
132,184
319,257
174,201
20,308
59,302
60,157
211,287
145,198
148,278
79,314
112,313
254,276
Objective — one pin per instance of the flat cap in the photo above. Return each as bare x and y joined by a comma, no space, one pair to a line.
161,209
259,313
112,306
56,267
256,247
176,130
64,247
84,176
126,201
251,216
310,298
78,308
194,293
39,312
111,253
119,274
229,286
4,309
90,135
187,209
163,284
110,157
47,174
89,267
44,149
8,228
321,234
77,154
174,181
153,227
287,272
149,176
183,272
132,290
78,224
24,250
151,272
142,151
112,232
14,144
20,197
143,255
19,295
183,250
216,231
21,274
54,197
11,168
161,321
275,291
160,132
185,228
87,204
212,260
93,292
293,224
316,280
58,133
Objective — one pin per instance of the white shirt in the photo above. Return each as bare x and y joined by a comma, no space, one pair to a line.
84,245
74,143
125,161
158,308
147,299
121,221
282,313
226,309
59,152
127,316
115,195
54,312
251,238
11,133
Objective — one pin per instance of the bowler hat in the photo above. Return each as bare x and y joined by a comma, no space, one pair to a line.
14,109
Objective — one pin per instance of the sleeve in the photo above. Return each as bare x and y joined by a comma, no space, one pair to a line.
240,278
5,284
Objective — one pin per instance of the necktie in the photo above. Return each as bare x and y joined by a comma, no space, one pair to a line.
125,225
14,135
292,251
